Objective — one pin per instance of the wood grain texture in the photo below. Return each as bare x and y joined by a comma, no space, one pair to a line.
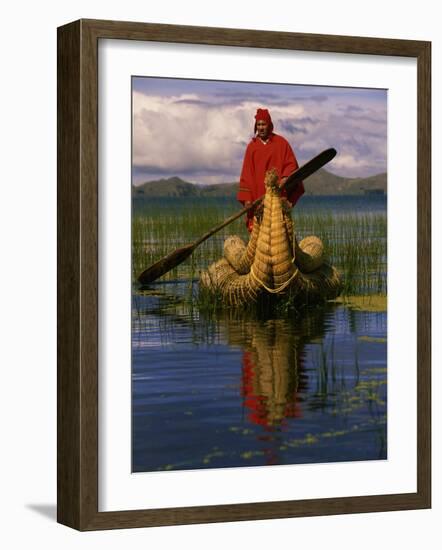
68,275
424,274
252,38
89,275
77,276
77,222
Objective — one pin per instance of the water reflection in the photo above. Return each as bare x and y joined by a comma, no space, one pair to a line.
232,389
273,352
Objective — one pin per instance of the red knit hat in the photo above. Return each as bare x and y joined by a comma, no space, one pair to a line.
263,114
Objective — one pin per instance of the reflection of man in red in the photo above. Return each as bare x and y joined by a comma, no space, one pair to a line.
272,374
266,150
270,392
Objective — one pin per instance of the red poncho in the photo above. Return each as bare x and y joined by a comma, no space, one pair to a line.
259,158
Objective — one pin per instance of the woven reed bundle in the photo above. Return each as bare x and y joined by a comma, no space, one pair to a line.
262,268
309,253
324,283
217,275
236,289
235,252
272,262
281,250
289,230
239,255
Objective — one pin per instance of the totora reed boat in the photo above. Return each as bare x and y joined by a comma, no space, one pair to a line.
272,262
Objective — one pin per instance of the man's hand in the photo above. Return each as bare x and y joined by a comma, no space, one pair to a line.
248,203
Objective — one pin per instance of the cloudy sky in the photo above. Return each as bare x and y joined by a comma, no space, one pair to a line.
198,130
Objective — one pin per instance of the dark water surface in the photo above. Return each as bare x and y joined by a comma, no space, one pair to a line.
233,389
336,204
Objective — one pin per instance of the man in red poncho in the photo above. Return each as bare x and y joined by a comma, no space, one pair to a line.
266,150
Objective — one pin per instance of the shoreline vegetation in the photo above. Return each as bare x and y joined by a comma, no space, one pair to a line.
375,303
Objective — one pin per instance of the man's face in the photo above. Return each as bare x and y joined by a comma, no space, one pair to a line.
262,127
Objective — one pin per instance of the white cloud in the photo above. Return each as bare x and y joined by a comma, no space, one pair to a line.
180,137
192,135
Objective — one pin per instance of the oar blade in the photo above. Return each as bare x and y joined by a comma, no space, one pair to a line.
310,168
164,265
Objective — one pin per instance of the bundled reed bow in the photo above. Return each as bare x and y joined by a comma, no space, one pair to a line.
273,262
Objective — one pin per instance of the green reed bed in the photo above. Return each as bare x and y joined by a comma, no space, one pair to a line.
162,227
356,243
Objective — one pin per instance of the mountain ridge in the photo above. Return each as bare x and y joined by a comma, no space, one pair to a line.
321,182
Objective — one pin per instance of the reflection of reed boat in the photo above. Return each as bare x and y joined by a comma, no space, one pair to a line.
272,373
273,262
273,357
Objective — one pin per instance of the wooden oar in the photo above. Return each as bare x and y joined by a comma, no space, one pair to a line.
178,256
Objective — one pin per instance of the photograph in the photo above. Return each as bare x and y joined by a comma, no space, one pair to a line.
259,274
220,223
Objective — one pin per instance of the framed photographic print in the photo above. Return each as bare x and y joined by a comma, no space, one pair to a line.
243,275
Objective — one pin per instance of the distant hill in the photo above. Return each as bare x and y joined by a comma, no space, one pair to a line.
320,183
326,183
171,187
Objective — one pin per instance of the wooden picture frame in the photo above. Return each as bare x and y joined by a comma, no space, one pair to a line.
78,274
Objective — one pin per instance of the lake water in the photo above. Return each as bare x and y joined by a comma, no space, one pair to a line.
230,389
